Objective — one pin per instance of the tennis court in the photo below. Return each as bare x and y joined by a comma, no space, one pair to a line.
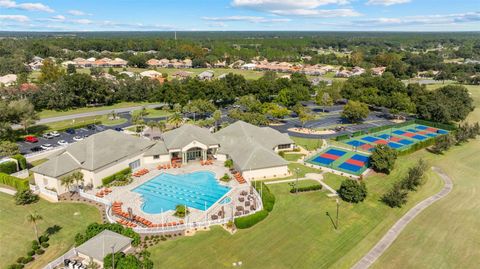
342,160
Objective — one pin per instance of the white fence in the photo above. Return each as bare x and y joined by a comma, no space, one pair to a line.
94,198
48,194
59,261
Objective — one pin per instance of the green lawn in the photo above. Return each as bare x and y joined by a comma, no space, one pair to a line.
155,113
55,113
16,234
292,157
446,235
79,122
297,233
307,143
333,180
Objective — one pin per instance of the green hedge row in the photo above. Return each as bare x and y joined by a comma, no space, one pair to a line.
306,188
22,161
418,146
448,127
117,175
342,137
268,199
17,183
250,220
8,168
358,133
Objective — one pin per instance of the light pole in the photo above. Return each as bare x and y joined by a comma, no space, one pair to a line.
338,205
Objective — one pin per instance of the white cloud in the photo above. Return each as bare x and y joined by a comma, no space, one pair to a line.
25,6
305,8
387,2
446,19
251,19
58,18
17,18
83,21
75,12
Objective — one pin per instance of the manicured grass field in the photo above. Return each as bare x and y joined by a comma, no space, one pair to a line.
333,180
446,235
155,113
62,125
55,113
297,233
16,234
292,157
307,143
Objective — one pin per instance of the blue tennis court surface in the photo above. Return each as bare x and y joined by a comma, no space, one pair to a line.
384,136
442,132
412,130
419,137
355,143
370,139
405,142
336,152
431,134
350,167
359,157
322,160
421,127
399,132
394,145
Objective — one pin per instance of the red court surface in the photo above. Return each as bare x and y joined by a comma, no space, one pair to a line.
433,130
366,147
383,142
408,134
395,139
422,132
329,156
355,162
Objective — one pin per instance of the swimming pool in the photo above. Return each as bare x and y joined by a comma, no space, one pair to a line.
166,191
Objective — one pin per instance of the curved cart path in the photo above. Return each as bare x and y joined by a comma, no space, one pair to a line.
398,227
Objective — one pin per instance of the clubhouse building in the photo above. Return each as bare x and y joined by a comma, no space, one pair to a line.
253,150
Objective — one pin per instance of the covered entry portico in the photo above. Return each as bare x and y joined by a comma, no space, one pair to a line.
196,151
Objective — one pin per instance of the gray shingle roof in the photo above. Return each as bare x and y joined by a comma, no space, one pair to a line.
94,152
101,245
180,137
251,147
158,149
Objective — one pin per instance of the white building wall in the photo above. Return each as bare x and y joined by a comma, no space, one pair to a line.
49,183
110,170
272,172
162,159
221,157
292,147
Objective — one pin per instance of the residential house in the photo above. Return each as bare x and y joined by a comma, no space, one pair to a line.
206,75
8,80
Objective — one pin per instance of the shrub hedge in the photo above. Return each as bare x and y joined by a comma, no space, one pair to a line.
342,137
8,168
116,176
250,220
268,199
306,188
358,133
22,161
448,127
17,183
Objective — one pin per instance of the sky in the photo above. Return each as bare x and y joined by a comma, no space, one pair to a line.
240,15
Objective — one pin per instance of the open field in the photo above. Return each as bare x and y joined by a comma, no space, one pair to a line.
297,233
155,113
79,122
54,113
446,234
308,144
16,234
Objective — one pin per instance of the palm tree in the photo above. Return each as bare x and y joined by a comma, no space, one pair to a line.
67,181
137,119
77,177
175,119
217,116
34,218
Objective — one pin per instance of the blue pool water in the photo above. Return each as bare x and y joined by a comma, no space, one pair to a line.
166,191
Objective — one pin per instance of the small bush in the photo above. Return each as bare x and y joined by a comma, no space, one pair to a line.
250,220
25,197
8,168
22,161
396,197
352,191
39,251
16,266
121,175
43,239
306,188
45,245
28,259
31,253
20,259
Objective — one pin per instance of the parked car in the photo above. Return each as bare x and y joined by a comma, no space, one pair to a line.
31,139
86,135
100,128
91,127
118,129
77,138
36,149
55,134
47,136
62,142
70,131
46,146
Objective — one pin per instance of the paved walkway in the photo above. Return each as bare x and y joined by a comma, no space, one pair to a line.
7,191
398,227
309,176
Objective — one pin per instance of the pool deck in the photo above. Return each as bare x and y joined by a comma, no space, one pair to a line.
134,200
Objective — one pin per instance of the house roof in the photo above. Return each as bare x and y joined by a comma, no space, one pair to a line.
251,147
95,152
180,137
102,244
158,149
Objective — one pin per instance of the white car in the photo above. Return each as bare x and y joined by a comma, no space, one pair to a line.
62,142
77,138
55,134
46,146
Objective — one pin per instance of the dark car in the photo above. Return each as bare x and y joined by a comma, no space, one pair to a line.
118,129
70,131
36,149
91,127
